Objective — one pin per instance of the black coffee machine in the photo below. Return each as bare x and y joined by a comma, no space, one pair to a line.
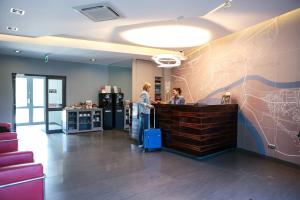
106,103
113,110
118,104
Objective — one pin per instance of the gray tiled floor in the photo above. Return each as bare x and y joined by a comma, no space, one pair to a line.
109,166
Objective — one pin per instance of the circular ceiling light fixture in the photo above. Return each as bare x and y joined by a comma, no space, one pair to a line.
168,36
167,60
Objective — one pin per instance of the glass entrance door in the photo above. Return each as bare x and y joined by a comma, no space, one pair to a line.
55,103
29,100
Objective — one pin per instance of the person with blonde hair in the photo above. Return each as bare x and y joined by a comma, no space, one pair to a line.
144,110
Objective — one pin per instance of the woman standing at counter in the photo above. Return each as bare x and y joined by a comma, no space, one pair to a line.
177,98
144,110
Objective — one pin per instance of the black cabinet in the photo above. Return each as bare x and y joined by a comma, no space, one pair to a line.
113,110
118,104
106,103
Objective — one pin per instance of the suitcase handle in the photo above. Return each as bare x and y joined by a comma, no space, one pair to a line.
154,116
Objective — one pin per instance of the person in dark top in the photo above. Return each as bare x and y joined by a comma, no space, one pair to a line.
177,98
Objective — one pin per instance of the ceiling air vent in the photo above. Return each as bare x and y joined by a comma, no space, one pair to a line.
99,12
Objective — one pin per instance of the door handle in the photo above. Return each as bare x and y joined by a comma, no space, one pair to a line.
28,101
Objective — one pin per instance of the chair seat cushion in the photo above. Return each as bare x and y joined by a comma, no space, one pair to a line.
16,173
15,158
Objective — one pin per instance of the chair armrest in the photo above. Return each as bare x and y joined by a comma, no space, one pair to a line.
15,158
8,142
5,126
17,174
8,136
24,181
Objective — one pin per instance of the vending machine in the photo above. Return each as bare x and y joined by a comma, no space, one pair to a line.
118,105
106,103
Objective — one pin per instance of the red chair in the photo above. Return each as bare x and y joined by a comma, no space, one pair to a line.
20,178
5,127
22,182
15,158
8,142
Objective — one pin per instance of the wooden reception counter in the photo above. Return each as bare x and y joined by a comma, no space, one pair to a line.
198,130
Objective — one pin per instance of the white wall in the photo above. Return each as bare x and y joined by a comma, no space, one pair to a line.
260,67
83,80
143,71
121,77
167,83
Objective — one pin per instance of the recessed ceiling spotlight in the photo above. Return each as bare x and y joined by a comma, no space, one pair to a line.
17,11
227,4
168,36
18,51
93,59
179,18
11,28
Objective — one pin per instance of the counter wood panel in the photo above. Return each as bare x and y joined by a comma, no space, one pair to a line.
198,130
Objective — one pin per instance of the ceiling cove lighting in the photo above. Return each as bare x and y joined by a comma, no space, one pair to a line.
86,45
167,60
168,36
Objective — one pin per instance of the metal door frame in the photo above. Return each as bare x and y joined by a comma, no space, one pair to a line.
30,105
63,78
47,77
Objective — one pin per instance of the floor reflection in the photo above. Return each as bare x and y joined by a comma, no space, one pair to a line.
109,165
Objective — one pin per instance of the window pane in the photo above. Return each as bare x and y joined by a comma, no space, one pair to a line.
22,115
21,92
38,115
55,120
38,92
55,93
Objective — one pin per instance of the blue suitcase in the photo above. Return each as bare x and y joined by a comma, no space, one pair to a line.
152,137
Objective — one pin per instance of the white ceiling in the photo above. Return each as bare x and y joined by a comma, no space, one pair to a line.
58,18
66,54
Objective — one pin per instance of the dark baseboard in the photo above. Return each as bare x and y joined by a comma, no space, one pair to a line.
290,164
211,156
54,123
201,158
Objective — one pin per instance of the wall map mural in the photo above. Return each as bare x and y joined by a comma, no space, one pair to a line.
260,67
